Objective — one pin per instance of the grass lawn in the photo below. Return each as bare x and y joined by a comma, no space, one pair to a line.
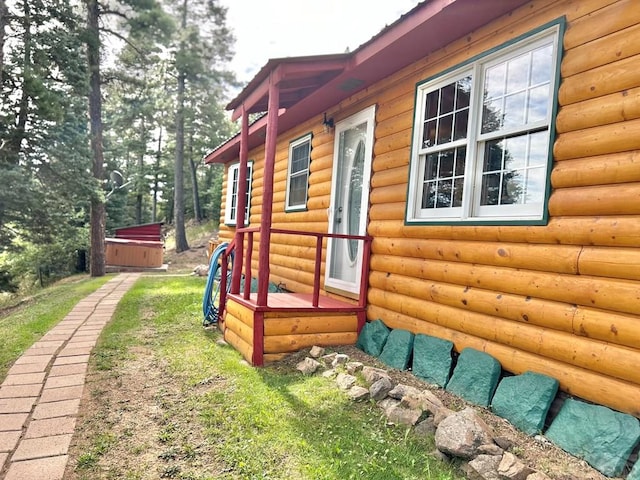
266,423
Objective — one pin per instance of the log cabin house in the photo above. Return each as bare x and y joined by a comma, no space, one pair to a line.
472,172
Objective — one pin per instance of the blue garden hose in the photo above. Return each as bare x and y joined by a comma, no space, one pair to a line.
212,290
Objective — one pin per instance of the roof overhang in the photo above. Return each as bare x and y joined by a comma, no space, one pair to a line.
311,85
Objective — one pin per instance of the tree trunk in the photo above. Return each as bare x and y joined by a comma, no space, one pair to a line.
4,12
140,180
178,194
16,138
197,212
97,260
156,179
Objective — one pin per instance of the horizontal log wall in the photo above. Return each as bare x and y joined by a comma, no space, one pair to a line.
562,298
290,331
292,343
238,329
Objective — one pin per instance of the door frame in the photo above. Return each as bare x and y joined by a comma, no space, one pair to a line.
335,285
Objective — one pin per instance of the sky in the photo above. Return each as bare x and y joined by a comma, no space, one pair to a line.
267,29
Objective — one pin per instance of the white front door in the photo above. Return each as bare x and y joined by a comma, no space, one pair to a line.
353,151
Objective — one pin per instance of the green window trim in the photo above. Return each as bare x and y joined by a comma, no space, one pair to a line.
486,159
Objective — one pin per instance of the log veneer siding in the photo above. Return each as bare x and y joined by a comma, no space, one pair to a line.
561,299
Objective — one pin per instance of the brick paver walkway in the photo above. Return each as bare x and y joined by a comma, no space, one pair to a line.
40,398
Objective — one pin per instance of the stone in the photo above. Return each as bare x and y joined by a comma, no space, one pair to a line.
399,415
328,358
201,270
511,468
432,359
461,433
475,377
353,367
425,428
503,442
524,400
345,381
599,435
490,449
316,352
635,472
221,343
398,348
379,389
483,467
539,476
358,394
412,401
430,402
542,440
388,403
441,414
308,366
373,374
331,373
340,359
401,390
425,401
373,337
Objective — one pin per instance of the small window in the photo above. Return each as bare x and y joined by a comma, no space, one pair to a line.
482,136
298,174
231,204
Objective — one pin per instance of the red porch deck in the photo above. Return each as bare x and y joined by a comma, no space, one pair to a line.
299,302
288,323
265,326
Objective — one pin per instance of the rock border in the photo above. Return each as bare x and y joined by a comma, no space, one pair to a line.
459,435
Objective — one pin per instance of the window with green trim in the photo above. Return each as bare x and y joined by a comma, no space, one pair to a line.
298,174
482,136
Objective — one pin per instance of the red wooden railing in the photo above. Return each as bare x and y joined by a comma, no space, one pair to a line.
315,299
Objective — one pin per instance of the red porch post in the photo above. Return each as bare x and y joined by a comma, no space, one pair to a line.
267,196
242,201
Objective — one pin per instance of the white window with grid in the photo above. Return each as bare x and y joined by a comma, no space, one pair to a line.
231,203
298,174
482,133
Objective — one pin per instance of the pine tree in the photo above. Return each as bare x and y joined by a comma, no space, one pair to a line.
203,47
42,127
137,16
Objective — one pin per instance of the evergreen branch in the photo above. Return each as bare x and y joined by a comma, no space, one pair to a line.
123,38
104,11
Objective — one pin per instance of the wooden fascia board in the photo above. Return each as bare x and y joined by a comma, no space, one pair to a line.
231,148
256,95
405,24
281,72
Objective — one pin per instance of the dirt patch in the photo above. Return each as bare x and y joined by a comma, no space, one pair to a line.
135,423
185,262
